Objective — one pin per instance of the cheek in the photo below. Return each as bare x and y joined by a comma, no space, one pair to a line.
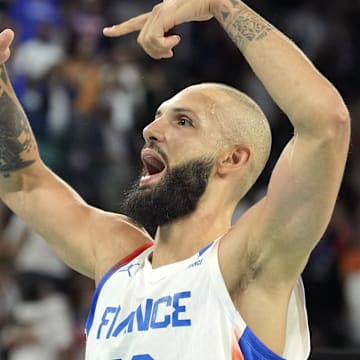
213,139
183,147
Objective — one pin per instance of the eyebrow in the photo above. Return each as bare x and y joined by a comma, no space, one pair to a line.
179,110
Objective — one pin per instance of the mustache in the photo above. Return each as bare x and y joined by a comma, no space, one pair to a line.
153,146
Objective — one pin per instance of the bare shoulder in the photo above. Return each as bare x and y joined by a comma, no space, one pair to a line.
121,238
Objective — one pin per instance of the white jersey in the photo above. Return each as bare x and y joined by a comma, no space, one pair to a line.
180,311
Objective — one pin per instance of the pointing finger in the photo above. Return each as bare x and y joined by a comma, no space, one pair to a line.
126,27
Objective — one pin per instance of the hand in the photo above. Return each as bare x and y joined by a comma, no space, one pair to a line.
154,25
6,38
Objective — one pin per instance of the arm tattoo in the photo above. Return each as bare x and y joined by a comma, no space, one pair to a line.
242,24
15,133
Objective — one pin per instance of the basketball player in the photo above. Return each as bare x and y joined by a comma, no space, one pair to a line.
202,289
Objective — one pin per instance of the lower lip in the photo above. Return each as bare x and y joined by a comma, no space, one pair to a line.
151,179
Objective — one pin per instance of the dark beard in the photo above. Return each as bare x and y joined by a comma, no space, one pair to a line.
175,196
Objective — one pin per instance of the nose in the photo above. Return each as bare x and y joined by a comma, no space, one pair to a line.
154,131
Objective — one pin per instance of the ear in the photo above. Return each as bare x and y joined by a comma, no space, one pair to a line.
233,159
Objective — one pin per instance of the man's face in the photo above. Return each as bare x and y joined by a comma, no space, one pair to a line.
178,157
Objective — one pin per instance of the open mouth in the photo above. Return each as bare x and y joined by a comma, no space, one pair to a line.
154,166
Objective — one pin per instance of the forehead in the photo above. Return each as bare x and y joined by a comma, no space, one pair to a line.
199,100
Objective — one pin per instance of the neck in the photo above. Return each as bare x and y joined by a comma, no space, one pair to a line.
183,238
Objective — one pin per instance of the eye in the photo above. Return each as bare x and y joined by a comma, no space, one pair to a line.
184,121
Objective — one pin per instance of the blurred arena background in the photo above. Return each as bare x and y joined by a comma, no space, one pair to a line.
88,98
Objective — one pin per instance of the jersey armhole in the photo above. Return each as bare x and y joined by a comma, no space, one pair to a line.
103,280
131,256
248,343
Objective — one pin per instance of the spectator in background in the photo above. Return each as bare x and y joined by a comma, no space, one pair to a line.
35,57
27,14
81,307
39,323
84,155
81,74
87,19
9,296
324,281
351,279
42,327
33,63
122,93
32,257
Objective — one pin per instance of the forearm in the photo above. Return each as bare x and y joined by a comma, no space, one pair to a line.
295,85
18,149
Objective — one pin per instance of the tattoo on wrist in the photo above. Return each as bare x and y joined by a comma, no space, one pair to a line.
242,24
15,134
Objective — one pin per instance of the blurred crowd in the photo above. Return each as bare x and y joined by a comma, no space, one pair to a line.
87,99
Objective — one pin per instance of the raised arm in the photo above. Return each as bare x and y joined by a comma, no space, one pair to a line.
284,227
305,181
18,146
87,239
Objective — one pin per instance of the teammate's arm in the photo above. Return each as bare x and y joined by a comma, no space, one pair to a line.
75,230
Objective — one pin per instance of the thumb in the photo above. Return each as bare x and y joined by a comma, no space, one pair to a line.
6,38
169,42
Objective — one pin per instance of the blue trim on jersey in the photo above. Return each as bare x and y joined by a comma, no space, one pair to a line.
207,247
102,282
253,349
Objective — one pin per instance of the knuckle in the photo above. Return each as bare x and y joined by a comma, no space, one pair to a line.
140,39
150,40
156,8
150,52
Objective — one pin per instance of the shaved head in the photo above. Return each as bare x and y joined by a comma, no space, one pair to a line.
241,121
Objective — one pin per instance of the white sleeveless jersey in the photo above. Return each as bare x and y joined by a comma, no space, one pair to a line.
180,311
